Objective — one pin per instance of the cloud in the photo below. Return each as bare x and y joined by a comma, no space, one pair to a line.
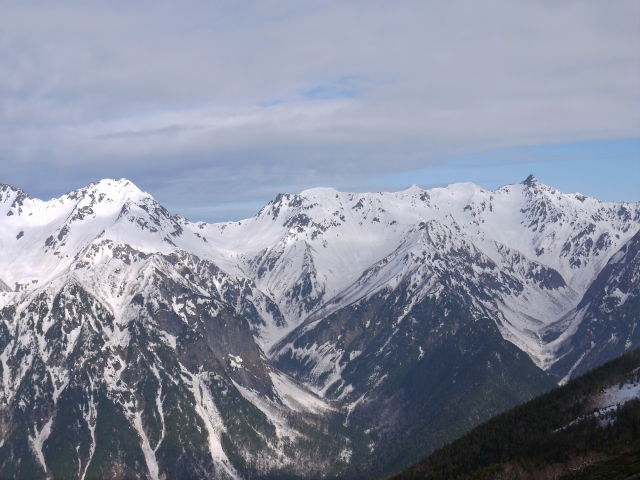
210,102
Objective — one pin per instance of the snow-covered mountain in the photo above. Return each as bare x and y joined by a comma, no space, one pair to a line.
605,323
223,349
317,251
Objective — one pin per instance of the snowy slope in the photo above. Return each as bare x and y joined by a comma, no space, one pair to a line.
42,240
305,250
604,325
112,307
302,251
147,343
524,295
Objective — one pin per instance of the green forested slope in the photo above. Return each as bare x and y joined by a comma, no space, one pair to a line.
557,435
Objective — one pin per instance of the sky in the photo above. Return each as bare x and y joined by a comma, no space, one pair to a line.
216,107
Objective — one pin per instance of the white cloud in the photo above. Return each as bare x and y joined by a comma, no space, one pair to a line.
250,97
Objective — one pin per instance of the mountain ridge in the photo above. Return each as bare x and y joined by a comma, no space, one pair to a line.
322,317
300,265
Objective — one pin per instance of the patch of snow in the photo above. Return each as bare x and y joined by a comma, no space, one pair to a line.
346,391
206,409
617,257
567,377
351,407
169,339
276,414
91,417
296,397
618,395
607,403
154,369
72,338
345,455
57,390
149,453
37,441
235,362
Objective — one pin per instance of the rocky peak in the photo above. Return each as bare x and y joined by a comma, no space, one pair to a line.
531,181
9,191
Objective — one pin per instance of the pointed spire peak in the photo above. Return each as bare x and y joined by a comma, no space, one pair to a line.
530,181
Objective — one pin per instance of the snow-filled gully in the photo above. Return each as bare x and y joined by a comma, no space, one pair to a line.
206,409
347,246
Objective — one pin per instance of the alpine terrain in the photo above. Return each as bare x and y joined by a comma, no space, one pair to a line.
588,429
331,335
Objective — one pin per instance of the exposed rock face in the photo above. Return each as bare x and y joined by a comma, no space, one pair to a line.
604,324
152,389
331,334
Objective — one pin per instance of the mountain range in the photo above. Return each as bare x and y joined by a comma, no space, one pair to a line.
332,334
